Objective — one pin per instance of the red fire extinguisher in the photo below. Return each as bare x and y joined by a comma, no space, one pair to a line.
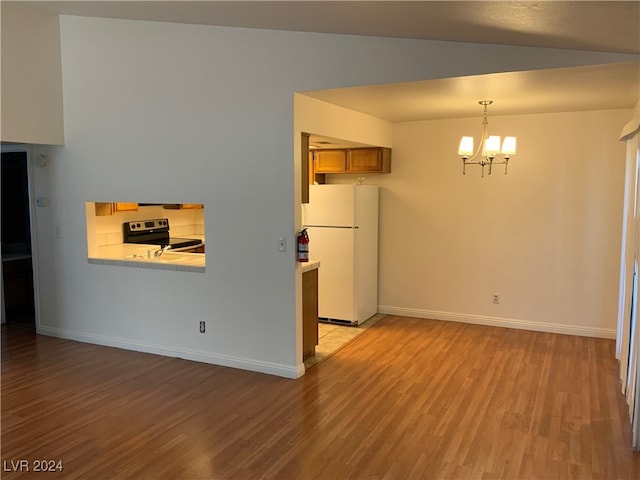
303,246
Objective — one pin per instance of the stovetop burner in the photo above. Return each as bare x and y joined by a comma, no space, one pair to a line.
154,232
182,242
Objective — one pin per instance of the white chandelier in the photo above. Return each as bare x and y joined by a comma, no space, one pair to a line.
489,151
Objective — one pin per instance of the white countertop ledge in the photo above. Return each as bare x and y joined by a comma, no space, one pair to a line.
310,265
132,255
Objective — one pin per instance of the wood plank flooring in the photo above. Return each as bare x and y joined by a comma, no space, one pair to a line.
408,398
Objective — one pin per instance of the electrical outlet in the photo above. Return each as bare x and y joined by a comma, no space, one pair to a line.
202,327
496,298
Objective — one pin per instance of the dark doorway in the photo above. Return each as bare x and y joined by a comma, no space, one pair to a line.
17,269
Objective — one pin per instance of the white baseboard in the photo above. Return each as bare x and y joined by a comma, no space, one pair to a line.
500,322
195,355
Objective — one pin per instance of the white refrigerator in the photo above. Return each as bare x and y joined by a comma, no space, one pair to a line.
342,223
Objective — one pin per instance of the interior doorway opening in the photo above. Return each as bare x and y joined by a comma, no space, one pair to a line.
18,300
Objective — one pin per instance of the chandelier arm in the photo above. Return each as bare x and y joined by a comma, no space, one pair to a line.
483,137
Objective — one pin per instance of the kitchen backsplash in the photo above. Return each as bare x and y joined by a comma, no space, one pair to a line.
182,223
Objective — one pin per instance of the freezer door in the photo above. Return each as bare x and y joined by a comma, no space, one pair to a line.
331,205
337,282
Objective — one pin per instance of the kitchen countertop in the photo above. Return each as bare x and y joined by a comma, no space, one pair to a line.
141,256
310,265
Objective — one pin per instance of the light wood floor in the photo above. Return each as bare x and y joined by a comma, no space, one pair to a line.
332,337
408,398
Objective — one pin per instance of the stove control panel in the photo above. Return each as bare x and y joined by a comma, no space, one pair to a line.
144,225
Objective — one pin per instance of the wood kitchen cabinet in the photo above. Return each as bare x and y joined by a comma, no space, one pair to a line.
331,161
126,207
314,176
370,160
183,206
109,208
353,160
309,312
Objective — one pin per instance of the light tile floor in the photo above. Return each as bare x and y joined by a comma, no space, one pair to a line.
331,337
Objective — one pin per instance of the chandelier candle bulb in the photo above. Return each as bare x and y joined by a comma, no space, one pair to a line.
492,146
466,147
509,146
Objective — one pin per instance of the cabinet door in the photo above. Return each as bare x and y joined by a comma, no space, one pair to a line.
109,208
126,207
369,160
182,206
309,312
365,160
331,161
104,208
314,176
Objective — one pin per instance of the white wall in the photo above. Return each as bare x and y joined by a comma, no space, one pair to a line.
554,266
322,118
205,114
31,76
545,237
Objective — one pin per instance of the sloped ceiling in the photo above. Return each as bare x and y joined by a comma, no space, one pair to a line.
579,25
599,87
